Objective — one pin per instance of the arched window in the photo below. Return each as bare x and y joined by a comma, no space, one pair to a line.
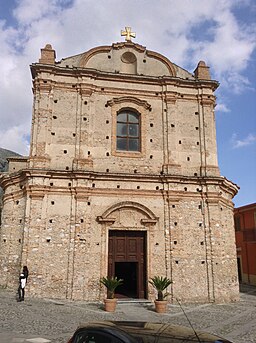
128,131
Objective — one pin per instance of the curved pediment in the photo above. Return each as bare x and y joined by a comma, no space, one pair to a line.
145,215
123,58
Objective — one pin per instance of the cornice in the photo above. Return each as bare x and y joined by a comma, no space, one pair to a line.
36,69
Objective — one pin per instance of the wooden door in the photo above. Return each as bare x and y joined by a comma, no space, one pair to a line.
127,255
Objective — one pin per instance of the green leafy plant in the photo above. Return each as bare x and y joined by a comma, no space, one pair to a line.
160,283
111,283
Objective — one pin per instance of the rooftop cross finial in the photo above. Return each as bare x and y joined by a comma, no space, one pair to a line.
128,33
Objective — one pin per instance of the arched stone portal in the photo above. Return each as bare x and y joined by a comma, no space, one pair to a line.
128,226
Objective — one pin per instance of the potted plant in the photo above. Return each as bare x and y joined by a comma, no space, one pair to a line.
160,283
111,283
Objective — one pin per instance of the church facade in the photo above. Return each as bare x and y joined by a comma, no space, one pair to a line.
122,179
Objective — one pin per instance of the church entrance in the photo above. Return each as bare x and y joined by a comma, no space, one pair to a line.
127,260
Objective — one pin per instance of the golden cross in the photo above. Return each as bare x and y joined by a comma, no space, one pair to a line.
128,33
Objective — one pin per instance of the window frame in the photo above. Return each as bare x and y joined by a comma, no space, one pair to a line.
128,137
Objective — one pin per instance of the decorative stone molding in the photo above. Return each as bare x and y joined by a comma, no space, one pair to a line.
130,204
129,99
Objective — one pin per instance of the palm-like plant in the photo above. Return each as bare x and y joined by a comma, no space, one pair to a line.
160,283
111,283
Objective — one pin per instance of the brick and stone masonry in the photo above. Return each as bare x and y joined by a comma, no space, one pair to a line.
77,187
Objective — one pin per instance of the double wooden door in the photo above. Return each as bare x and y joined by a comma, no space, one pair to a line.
127,260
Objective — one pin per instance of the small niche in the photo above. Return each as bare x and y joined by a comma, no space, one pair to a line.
107,121
55,101
67,168
188,158
48,240
85,102
202,262
107,153
69,184
173,206
151,124
165,110
54,117
84,118
52,202
182,95
185,189
109,57
73,86
195,174
51,183
118,186
151,156
135,171
157,188
107,137
200,224
172,125
65,151
156,94
45,81
107,170
202,243
221,208
74,134
93,185
138,187
175,223
196,113
20,220
151,140
175,242
17,202
4,240
179,142
144,61
53,133
199,207
197,128
19,240
197,143
50,220
102,89
88,203
177,262
81,220
88,153
106,105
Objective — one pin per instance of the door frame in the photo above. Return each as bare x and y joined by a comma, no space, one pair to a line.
142,286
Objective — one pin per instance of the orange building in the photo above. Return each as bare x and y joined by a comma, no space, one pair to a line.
245,226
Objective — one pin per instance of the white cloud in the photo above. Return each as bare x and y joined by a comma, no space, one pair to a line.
221,107
16,139
76,26
239,143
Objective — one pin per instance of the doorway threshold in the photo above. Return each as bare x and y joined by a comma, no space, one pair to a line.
133,301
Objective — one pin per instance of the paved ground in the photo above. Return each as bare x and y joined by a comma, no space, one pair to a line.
42,321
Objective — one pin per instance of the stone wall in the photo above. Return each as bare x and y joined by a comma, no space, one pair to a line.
59,208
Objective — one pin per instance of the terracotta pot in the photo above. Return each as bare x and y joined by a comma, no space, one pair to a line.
161,306
110,305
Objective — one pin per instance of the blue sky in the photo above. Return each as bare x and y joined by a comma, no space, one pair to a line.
221,32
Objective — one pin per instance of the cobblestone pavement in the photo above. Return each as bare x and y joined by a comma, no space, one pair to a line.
46,320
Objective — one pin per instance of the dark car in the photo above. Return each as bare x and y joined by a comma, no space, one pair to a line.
140,332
